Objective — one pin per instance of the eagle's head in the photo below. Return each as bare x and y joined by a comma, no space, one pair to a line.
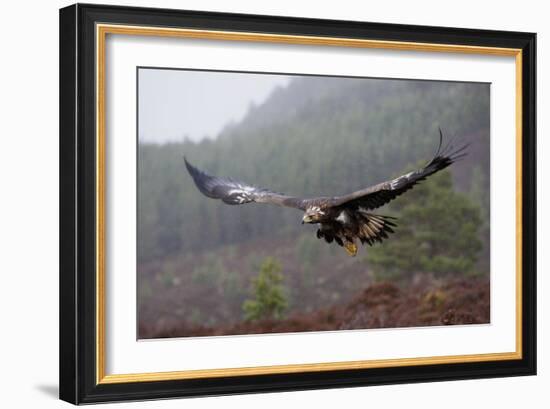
313,214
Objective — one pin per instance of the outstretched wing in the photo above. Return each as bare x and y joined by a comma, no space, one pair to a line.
378,195
234,192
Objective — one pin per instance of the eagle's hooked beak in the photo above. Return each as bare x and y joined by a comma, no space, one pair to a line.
306,219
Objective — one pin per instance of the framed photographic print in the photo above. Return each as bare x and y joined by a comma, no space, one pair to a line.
258,203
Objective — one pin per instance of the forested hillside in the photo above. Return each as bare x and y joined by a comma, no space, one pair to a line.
317,136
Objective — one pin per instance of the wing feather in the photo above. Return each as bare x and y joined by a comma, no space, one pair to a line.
233,192
382,193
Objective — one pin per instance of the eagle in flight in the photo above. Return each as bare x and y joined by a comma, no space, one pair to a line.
343,219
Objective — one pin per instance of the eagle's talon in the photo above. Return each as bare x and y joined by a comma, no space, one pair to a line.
351,248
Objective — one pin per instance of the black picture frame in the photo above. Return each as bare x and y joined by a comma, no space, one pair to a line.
78,236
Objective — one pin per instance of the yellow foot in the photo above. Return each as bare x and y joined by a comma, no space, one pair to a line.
351,248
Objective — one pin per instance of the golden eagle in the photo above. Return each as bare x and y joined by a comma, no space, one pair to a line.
342,219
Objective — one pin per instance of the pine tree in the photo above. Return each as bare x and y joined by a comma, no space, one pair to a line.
438,232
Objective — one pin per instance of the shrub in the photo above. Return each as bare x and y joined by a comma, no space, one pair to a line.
269,301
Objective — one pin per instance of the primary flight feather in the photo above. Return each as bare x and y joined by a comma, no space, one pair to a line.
342,219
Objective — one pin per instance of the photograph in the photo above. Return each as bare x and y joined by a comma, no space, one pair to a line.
285,203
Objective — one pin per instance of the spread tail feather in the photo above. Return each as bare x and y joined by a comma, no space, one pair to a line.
368,228
375,228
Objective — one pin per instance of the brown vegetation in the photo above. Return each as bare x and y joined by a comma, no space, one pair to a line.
382,305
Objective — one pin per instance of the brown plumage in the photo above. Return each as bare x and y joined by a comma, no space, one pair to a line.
342,219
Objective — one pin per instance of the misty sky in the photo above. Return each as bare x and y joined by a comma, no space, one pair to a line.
174,104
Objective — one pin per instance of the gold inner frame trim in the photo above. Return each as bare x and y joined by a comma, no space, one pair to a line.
101,33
